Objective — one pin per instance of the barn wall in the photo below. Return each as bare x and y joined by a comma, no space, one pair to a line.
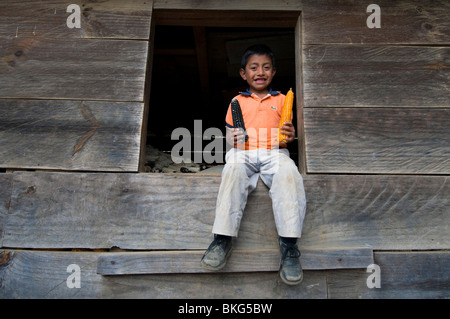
375,143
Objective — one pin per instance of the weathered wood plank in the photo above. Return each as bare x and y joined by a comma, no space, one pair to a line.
175,212
402,22
402,275
382,212
221,5
41,274
70,135
127,263
99,19
364,75
377,140
144,211
226,18
5,197
88,69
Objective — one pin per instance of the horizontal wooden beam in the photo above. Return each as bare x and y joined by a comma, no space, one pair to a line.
131,263
226,18
70,135
249,5
401,275
46,274
98,19
401,22
377,140
368,76
176,212
83,69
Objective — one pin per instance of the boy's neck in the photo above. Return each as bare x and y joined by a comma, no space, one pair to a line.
260,94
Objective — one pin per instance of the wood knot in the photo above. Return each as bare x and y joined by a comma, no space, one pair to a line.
86,12
5,258
438,66
31,190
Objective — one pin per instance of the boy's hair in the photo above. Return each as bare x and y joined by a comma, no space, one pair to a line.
258,49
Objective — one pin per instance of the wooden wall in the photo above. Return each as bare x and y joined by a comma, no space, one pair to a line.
373,125
73,98
377,100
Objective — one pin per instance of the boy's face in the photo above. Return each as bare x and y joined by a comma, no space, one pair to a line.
258,73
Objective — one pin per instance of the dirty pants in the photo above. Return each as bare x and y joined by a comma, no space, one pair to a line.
240,177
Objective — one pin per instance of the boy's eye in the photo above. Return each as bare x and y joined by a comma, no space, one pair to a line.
266,68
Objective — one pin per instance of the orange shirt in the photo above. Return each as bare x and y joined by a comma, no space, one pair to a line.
261,118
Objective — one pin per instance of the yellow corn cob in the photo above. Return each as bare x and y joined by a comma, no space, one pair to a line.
286,116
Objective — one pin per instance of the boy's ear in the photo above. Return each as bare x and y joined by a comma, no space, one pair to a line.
242,73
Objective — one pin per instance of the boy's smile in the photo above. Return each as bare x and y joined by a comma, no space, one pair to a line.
258,73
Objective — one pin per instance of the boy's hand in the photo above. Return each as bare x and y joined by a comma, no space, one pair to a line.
288,129
235,136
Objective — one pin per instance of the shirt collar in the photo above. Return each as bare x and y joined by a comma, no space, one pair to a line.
248,93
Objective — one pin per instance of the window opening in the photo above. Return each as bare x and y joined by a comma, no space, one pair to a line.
195,74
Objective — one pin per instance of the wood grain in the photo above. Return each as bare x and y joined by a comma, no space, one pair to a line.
382,212
99,19
128,263
70,135
404,275
386,76
231,17
5,197
402,22
143,211
221,5
43,274
87,69
176,212
377,140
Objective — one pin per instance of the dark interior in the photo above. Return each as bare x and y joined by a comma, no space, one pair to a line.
195,75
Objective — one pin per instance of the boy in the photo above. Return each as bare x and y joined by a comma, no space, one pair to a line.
261,157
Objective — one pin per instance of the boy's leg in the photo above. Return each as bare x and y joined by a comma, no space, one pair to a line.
281,175
238,180
287,192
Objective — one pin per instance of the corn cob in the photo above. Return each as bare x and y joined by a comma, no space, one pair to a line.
286,116
238,120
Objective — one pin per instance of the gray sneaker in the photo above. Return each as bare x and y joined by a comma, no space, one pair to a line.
290,268
215,257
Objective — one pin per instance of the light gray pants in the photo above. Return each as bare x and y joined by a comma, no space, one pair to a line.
240,177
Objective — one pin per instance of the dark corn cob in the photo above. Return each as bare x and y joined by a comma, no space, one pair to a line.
238,120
